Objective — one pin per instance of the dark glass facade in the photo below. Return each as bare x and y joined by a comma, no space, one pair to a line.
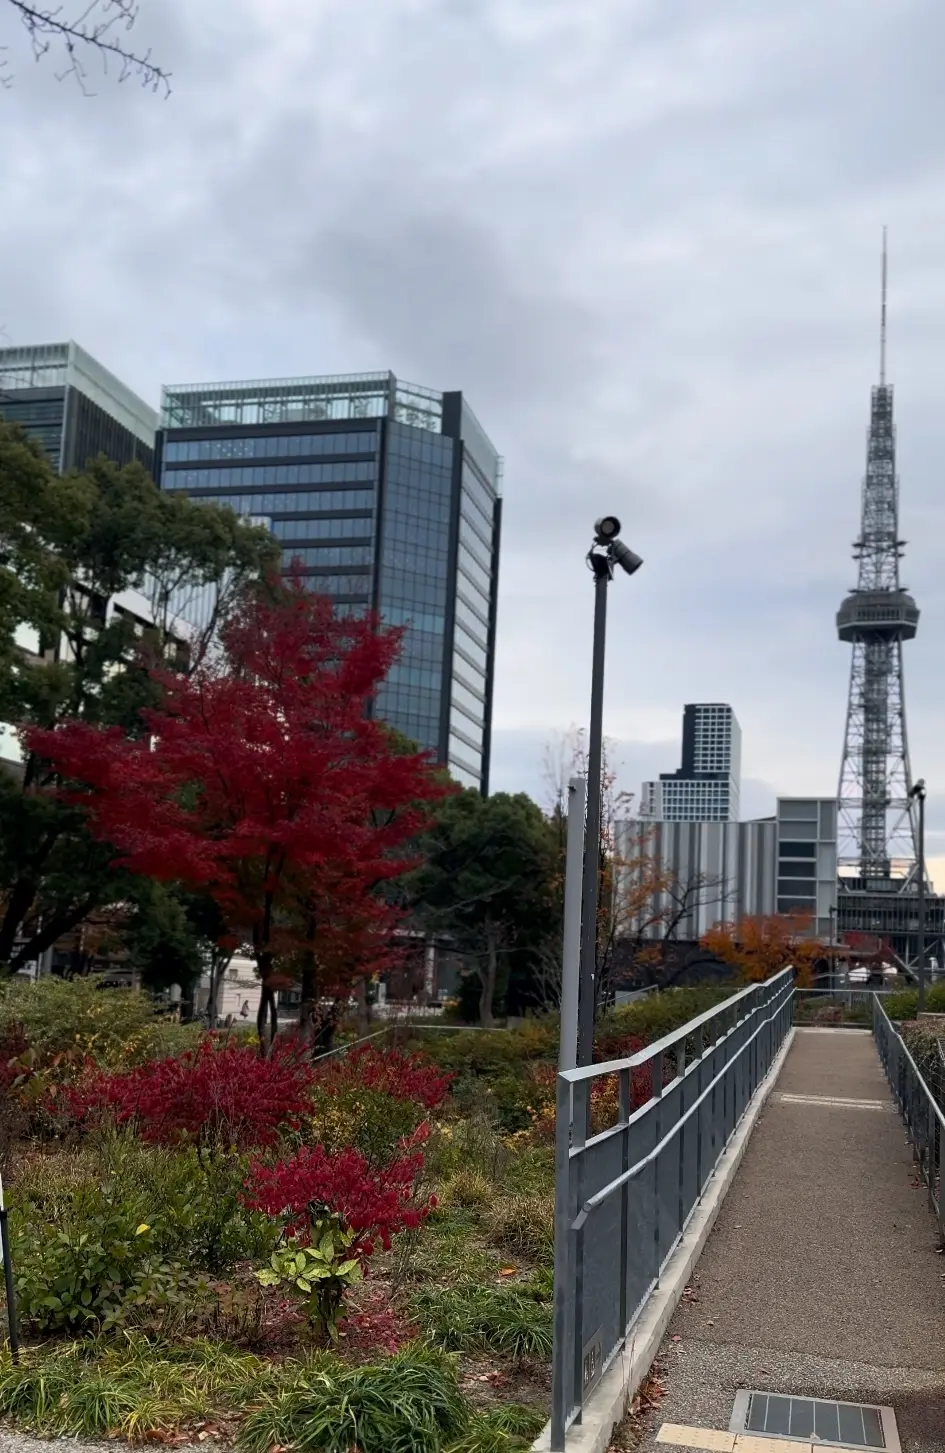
40,412
400,513
74,408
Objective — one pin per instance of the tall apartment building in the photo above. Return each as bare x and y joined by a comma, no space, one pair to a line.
721,872
74,407
705,788
388,496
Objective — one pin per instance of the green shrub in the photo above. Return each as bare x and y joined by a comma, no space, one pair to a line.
194,1207
370,1121
905,1004
499,1057
514,1096
98,1274
656,1015
471,1143
75,1018
322,1271
490,1052
507,1319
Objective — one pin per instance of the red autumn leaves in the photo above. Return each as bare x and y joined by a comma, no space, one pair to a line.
265,779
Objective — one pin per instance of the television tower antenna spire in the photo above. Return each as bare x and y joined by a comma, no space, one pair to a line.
882,323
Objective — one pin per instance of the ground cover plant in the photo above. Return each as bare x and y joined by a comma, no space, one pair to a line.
353,1252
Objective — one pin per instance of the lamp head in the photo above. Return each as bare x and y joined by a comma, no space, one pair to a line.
625,557
606,529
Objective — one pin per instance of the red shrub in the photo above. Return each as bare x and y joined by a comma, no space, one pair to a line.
208,1096
402,1076
374,1204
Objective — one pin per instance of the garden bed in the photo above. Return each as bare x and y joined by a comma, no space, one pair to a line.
207,1245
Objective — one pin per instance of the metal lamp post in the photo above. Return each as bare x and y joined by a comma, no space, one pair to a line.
606,552
917,794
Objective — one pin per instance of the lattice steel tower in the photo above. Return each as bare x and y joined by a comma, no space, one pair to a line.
877,829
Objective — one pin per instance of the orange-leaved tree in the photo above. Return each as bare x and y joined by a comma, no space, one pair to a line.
764,945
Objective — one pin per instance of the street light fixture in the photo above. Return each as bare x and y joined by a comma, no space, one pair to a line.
917,794
606,551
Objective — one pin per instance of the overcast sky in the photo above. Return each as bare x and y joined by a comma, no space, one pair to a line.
642,236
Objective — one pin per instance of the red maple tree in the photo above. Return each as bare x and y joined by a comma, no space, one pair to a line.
265,778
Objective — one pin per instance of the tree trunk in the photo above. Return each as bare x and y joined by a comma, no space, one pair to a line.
309,1004
489,978
267,1017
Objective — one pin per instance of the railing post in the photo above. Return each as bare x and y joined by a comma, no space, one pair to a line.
941,1184
563,1285
580,1123
657,1084
625,1087
700,1084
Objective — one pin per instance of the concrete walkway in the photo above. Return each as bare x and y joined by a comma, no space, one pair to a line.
821,1277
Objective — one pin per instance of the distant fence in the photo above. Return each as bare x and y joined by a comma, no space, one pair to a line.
624,1196
407,1029
925,1122
846,1005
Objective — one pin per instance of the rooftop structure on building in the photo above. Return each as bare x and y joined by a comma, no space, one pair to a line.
705,788
74,407
387,496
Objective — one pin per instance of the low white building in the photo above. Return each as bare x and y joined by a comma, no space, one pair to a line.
719,872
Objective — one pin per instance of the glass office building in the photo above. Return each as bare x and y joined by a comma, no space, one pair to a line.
74,407
388,496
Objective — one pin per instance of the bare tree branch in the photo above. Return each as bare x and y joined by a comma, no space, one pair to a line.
94,28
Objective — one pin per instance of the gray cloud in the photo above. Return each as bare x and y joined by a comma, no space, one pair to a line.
642,238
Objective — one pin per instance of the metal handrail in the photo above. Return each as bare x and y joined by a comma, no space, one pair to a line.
660,1046
903,1049
635,1170
624,1197
923,1116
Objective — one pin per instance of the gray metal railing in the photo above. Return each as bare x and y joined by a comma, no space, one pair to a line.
923,1116
846,996
625,1194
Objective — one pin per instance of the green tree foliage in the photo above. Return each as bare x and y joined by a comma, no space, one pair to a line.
67,546
489,883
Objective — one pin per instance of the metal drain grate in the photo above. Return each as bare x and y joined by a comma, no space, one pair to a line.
840,1425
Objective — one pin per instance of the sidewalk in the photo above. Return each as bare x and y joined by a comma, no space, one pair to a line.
821,1277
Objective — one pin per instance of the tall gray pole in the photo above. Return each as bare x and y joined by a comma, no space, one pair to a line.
921,796
571,941
589,893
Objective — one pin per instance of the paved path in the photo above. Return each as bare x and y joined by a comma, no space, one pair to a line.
821,1276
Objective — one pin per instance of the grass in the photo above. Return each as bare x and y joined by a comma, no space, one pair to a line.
410,1404
524,1224
508,1320
140,1390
